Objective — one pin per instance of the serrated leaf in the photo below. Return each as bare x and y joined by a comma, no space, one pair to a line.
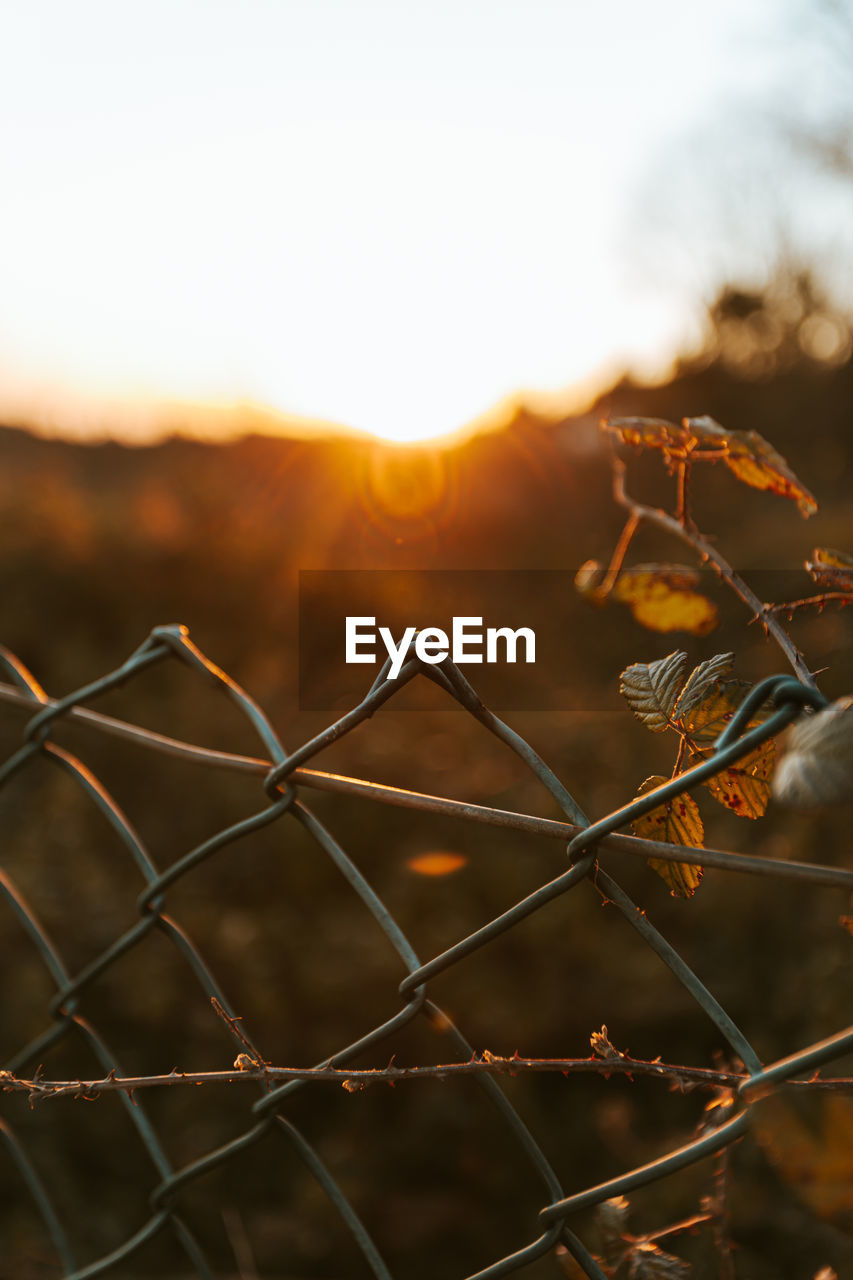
649,433
677,821
700,682
757,464
817,768
831,569
651,689
662,598
706,721
743,787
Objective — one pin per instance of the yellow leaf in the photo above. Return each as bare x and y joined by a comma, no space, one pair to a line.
677,821
706,721
662,598
743,787
757,464
651,689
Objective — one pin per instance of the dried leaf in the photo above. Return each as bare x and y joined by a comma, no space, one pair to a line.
648,433
746,453
817,768
743,787
662,598
831,569
651,689
699,682
601,1046
677,821
757,464
648,1262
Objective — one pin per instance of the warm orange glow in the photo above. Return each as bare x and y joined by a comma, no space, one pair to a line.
439,863
411,490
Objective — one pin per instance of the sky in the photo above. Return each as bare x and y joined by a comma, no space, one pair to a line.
380,213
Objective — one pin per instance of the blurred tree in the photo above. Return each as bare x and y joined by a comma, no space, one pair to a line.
763,331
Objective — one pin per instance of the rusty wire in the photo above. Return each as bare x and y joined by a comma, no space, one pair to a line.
589,848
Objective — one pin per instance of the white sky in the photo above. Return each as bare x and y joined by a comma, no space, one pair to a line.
385,213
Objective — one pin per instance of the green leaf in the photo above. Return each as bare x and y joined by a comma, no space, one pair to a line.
757,464
651,689
677,822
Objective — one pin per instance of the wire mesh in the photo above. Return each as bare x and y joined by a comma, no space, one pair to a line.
283,776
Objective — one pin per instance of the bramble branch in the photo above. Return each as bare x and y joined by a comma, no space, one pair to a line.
353,1080
710,555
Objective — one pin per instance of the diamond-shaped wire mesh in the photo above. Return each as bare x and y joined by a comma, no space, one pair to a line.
165,1169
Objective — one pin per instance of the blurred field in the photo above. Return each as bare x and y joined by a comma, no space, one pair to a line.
102,542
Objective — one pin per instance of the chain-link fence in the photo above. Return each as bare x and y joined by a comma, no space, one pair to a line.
283,777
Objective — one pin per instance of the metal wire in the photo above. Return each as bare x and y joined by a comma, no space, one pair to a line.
589,847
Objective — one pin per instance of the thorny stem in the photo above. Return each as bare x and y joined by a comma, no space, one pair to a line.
709,554
233,1026
355,1079
841,598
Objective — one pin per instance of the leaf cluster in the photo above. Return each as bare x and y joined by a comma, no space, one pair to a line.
746,453
696,707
